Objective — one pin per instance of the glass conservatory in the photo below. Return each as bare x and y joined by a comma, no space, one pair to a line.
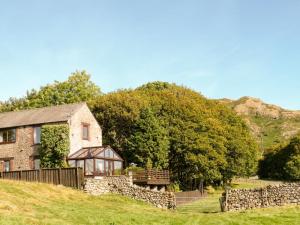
97,161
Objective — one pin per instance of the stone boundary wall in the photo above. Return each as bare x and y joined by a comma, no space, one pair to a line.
269,196
123,185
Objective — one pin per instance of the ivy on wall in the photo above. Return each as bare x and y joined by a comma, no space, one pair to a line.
55,145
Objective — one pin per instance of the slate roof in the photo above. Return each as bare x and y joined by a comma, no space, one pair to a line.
52,114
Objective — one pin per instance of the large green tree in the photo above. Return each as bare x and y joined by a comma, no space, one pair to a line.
148,145
201,138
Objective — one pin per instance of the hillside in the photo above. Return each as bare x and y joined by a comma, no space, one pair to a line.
269,123
32,203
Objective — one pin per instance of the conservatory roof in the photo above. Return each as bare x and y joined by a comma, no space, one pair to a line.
103,152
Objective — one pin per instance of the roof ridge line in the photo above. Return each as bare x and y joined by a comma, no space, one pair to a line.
51,106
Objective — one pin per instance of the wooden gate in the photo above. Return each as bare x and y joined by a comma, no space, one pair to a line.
188,196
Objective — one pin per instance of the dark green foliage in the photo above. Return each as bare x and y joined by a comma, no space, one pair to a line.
78,88
148,145
200,138
55,145
283,162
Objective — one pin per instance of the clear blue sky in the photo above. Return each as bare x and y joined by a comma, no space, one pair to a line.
225,48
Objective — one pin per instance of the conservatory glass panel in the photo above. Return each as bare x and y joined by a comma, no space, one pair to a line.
116,157
117,168
99,166
72,163
80,163
101,154
89,166
109,153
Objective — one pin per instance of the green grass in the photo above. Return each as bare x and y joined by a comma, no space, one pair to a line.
252,183
32,203
271,129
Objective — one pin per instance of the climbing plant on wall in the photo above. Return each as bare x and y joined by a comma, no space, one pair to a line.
55,145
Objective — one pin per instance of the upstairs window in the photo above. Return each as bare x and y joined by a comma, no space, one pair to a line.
37,135
85,131
8,136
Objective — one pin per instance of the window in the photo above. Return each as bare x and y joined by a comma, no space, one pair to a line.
37,135
85,131
101,154
36,164
118,167
99,166
6,166
109,153
116,156
80,163
72,163
109,167
89,166
8,136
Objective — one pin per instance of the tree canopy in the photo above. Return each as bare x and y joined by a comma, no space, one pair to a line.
283,162
169,126
78,88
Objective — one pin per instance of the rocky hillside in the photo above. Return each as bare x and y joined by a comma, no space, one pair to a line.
271,124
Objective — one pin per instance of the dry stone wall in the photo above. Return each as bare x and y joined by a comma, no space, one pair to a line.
270,196
123,185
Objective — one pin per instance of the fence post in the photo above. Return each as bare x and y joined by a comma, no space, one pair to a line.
59,176
20,177
40,175
77,182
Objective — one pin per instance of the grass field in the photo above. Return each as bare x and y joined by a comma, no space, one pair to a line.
32,203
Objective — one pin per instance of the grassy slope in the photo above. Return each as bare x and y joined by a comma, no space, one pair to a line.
27,203
273,129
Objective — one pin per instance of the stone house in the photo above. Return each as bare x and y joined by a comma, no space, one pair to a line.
20,138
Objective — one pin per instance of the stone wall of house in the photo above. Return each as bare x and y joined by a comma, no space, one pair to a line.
270,196
21,152
84,115
123,185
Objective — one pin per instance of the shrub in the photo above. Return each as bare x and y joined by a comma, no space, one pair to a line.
55,145
174,187
283,162
134,169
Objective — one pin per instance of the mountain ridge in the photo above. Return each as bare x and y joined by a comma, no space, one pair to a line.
269,123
